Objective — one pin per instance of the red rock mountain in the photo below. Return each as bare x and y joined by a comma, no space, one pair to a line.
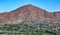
28,13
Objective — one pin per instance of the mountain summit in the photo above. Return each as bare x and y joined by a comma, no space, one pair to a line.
28,13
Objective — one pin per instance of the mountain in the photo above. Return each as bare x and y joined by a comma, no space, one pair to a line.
28,13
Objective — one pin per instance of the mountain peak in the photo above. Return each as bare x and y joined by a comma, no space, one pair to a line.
28,13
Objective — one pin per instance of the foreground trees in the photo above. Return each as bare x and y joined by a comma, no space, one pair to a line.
29,29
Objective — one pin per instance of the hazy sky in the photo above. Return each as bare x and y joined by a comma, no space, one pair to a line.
49,5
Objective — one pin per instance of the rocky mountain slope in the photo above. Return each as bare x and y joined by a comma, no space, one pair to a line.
29,13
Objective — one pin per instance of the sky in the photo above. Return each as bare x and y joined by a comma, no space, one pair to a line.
49,5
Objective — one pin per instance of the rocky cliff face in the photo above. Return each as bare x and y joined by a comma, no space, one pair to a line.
28,13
